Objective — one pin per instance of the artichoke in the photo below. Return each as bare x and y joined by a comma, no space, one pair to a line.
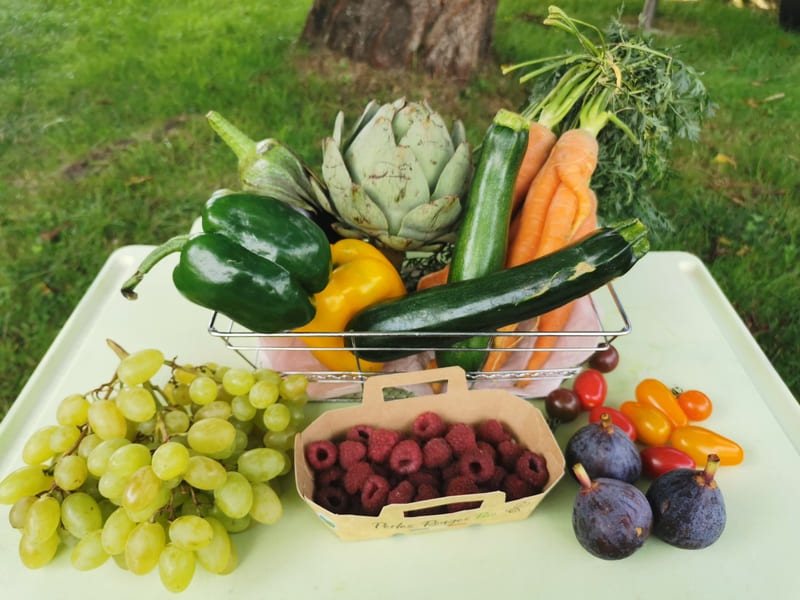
399,178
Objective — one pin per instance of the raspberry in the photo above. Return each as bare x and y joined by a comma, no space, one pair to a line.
461,485
332,476
515,487
488,448
461,438
350,452
491,431
332,498
381,443
424,477
359,433
321,454
436,453
495,482
402,493
428,425
374,493
509,452
426,491
532,468
406,457
355,476
477,465
450,470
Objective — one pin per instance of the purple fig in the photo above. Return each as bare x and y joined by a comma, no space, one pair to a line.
688,507
604,450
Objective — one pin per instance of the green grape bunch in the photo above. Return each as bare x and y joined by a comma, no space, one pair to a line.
157,477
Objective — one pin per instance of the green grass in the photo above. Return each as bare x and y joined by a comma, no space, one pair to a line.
103,140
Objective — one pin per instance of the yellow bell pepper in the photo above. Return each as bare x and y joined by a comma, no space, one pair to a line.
361,276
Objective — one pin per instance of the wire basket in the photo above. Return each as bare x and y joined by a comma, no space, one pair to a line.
256,347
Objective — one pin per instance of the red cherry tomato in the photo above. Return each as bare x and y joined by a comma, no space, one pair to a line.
695,404
591,387
657,460
606,360
652,392
617,418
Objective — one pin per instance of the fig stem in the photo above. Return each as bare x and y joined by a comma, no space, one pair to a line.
711,468
582,476
605,421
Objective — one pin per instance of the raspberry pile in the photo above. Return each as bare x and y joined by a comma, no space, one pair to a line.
372,467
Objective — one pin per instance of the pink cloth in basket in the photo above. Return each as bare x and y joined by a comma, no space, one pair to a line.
584,318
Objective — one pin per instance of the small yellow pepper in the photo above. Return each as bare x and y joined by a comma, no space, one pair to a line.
361,276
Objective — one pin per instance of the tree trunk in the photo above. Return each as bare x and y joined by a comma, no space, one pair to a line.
443,37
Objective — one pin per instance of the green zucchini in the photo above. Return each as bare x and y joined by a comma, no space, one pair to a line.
480,248
407,325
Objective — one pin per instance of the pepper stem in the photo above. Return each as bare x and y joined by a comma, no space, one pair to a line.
174,244
237,140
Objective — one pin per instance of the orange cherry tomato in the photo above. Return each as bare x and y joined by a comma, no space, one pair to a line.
695,404
653,428
652,392
698,442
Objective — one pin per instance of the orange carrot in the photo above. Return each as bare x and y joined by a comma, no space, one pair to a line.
575,157
540,142
555,320
557,229
433,278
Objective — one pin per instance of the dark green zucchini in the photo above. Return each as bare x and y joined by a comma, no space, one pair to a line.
480,248
498,299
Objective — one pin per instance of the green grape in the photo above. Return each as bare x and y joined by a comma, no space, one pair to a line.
89,553
211,435
261,464
264,374
136,403
235,497
293,386
231,525
203,390
36,554
204,473
97,461
70,472
190,532
215,557
184,375
141,490
233,562
111,485
280,440
237,381
170,460
64,438
37,449
297,415
176,567
267,507
81,514
178,394
116,529
73,410
146,428
264,393
176,421
245,426
146,513
277,417
218,409
140,366
241,442
143,547
19,510
87,444
43,518
25,481
106,420
287,465
241,409
128,458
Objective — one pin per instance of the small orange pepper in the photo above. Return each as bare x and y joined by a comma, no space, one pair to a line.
653,428
698,442
652,392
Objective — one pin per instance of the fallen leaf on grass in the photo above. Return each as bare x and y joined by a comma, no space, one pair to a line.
134,180
774,97
752,103
724,159
51,235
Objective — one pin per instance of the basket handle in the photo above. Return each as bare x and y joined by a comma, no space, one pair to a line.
489,501
455,377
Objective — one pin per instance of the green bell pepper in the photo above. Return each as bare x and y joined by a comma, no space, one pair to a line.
257,261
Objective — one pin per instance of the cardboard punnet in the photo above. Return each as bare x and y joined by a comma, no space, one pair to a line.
456,403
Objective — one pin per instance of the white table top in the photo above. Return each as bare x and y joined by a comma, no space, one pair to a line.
684,332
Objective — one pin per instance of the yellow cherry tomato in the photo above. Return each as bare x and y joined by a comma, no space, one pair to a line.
698,442
652,426
654,393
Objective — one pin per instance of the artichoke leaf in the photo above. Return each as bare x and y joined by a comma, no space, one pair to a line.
458,134
376,139
397,184
455,177
334,173
358,211
338,127
430,142
366,116
431,220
